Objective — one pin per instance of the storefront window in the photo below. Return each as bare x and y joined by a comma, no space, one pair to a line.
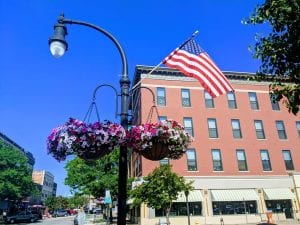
241,207
179,209
278,206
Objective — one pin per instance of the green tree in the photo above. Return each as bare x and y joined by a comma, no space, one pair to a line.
58,202
93,178
160,188
77,201
15,174
279,51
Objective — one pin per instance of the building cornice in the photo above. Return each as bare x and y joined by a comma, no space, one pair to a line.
166,73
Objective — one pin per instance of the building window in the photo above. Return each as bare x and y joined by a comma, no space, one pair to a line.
217,160
185,98
212,128
188,125
281,129
259,129
191,160
236,207
164,161
209,101
179,209
162,118
265,159
236,129
161,96
298,128
241,159
231,100
287,157
274,103
253,100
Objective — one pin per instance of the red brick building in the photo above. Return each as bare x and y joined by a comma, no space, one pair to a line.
245,158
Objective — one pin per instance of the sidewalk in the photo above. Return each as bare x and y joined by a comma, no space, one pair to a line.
92,219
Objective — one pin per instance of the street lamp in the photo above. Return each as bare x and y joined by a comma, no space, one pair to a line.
58,46
186,193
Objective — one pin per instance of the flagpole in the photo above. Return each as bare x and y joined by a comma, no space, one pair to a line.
161,62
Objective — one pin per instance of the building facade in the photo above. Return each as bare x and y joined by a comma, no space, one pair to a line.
6,140
46,181
244,160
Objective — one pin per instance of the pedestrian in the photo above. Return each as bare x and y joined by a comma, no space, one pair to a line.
221,221
81,217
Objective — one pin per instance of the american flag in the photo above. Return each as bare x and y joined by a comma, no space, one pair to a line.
192,61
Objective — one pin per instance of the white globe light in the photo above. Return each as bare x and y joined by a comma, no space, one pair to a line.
57,48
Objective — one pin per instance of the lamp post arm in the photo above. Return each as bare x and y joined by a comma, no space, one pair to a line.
63,20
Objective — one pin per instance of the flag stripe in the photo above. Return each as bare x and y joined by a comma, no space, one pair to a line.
224,78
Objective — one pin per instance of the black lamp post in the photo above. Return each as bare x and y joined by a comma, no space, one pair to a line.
186,192
58,46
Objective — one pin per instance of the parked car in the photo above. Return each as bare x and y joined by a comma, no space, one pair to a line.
23,216
96,210
71,212
60,212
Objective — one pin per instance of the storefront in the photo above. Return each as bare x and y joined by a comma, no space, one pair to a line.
279,200
238,201
179,206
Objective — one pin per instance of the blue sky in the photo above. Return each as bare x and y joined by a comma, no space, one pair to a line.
39,92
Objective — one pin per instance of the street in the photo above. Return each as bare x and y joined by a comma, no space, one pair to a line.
53,221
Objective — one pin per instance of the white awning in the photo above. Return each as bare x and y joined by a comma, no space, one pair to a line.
278,193
234,195
194,196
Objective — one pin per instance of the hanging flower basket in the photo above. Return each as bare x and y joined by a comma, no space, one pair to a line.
87,141
156,141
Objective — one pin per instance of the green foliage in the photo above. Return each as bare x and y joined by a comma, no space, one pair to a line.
280,50
160,188
94,177
77,201
54,203
15,175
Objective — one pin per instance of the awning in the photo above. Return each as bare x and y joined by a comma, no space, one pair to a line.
278,193
194,196
234,195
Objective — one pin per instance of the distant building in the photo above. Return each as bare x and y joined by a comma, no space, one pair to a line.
6,140
54,189
245,158
46,180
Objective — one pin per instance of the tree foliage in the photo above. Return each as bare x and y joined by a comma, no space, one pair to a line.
15,175
160,188
94,177
60,202
77,201
279,51
54,203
